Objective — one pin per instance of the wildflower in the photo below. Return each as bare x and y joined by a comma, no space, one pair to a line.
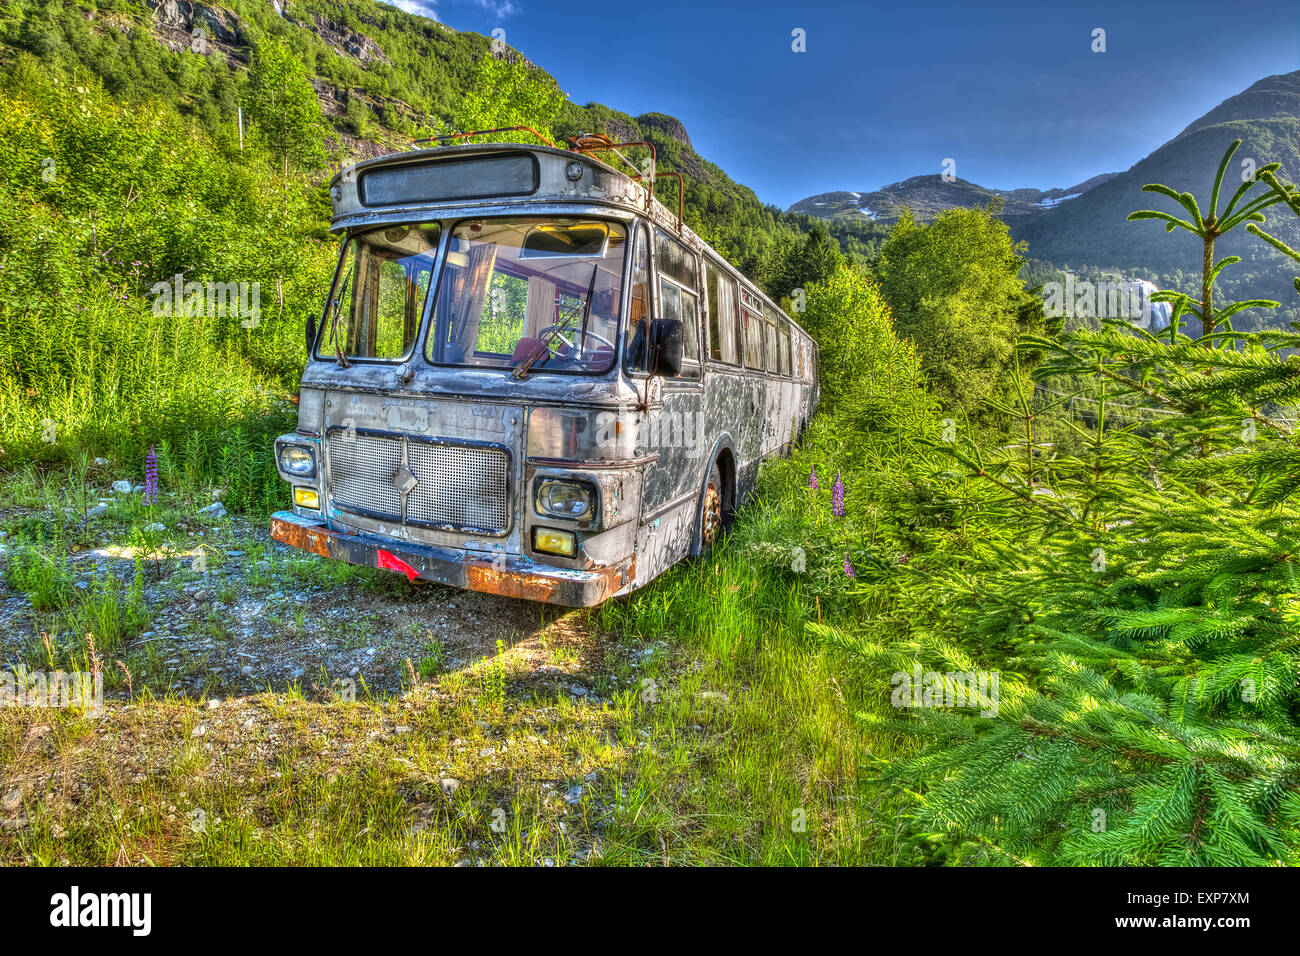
812,479
150,478
837,497
848,566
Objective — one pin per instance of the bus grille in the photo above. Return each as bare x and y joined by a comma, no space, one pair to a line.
460,487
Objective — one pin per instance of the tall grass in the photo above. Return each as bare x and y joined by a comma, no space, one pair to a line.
98,203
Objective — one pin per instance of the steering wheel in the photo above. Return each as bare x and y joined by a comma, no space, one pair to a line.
585,333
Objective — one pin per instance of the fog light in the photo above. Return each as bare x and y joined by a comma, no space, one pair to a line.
306,498
555,542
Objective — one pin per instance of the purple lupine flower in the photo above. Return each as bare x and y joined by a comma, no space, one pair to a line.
812,479
150,478
848,566
837,497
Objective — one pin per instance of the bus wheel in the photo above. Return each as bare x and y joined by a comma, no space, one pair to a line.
711,513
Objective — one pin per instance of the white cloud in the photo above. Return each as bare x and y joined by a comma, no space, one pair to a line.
421,8
500,8
429,8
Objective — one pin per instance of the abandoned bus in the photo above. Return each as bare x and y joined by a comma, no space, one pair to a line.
530,378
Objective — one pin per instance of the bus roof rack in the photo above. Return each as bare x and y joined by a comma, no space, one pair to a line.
599,143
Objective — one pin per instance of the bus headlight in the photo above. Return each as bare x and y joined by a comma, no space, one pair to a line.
564,499
297,460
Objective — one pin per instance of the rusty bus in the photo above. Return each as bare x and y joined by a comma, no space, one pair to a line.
530,378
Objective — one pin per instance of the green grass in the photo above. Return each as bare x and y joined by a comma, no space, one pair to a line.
712,732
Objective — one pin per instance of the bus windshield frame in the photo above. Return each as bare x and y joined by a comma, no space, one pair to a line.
539,293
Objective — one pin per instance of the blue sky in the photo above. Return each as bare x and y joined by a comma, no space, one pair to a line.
1012,91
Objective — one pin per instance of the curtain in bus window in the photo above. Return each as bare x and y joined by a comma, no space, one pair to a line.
753,339
670,301
470,291
541,306
722,315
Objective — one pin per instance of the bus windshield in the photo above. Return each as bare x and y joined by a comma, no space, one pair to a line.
534,294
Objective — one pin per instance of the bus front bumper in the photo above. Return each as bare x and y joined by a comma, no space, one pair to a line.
515,577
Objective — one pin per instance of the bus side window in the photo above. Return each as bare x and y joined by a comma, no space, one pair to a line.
773,362
678,285
723,325
638,311
753,339
691,336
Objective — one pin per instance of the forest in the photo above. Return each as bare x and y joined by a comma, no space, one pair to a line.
1021,595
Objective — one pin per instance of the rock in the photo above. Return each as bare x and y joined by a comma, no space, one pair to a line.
199,731
97,512
122,487
574,793
214,703
246,669
449,785
101,462
370,652
214,510
155,526
234,554
13,800
136,489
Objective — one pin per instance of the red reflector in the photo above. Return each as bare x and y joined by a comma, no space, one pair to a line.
394,563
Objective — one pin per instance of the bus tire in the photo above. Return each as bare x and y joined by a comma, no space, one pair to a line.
713,511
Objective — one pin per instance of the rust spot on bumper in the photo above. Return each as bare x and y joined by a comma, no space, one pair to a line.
530,587
297,536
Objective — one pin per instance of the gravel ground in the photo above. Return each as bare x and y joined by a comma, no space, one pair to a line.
231,610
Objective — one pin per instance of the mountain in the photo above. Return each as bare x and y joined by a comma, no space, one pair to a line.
1086,225
1094,230
928,196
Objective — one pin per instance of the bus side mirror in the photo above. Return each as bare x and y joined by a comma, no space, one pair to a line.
310,333
666,346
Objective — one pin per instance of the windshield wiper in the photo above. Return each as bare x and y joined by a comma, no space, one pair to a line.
543,348
583,308
334,324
